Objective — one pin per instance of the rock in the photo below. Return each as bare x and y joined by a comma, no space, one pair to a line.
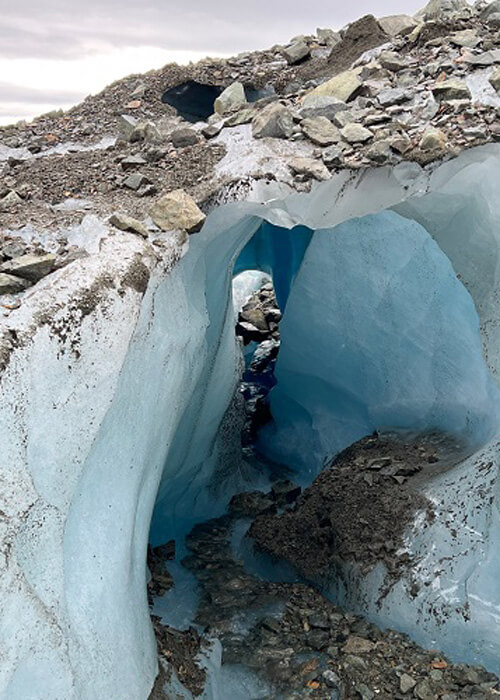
379,152
495,79
296,52
328,36
10,200
243,116
321,106
135,181
251,503
490,9
468,38
343,87
310,167
274,120
181,138
127,125
256,317
400,143
440,9
359,36
397,25
486,58
285,491
12,250
212,130
433,140
320,131
494,19
145,131
127,223
331,679
364,692
393,96
9,284
392,61
30,267
356,133
406,683
358,645
333,156
424,691
131,162
452,89
177,210
231,98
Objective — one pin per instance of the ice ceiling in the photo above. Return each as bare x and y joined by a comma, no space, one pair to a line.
390,289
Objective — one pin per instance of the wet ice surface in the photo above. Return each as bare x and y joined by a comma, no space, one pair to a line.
23,153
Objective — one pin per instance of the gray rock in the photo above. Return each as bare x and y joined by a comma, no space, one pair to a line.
468,38
400,143
30,267
231,98
12,199
331,679
131,162
127,223
243,116
320,131
127,125
406,683
181,138
333,156
12,250
321,106
440,9
296,52
425,691
487,58
212,130
392,61
393,96
251,503
494,19
145,131
379,152
310,167
356,133
275,121
397,25
490,9
177,210
135,181
11,285
433,140
358,645
495,79
452,89
343,86
328,36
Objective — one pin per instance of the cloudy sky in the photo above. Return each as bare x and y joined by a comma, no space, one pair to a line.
55,52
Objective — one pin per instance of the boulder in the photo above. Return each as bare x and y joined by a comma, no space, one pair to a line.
343,86
467,38
310,167
392,61
356,133
296,52
184,137
30,267
135,181
274,120
433,140
442,9
321,106
127,223
11,285
397,25
452,89
177,210
320,131
231,98
328,36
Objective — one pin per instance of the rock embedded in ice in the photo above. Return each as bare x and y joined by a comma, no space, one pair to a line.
320,131
9,284
495,79
274,120
127,223
309,167
30,267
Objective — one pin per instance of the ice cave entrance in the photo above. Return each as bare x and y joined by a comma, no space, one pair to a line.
194,101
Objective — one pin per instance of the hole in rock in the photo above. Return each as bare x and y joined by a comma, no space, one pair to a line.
357,363
194,101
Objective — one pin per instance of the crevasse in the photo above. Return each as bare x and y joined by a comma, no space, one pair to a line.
389,285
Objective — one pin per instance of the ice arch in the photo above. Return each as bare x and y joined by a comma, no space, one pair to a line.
137,415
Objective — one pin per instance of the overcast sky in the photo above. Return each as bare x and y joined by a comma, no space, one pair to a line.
54,52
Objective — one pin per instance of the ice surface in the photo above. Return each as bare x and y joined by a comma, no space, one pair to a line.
145,411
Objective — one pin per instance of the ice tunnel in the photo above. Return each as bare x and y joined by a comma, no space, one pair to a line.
389,288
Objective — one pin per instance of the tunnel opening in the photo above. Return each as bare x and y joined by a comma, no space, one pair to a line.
375,331
194,101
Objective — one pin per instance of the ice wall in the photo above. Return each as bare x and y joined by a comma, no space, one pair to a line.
116,374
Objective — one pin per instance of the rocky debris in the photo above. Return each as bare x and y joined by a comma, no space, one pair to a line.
128,223
296,52
356,133
309,168
433,141
495,79
251,503
321,106
231,98
438,9
176,211
184,137
293,638
358,38
30,267
274,121
356,510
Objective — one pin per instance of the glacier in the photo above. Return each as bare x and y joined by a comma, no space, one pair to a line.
120,422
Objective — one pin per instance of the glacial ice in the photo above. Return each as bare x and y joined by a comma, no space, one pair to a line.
145,418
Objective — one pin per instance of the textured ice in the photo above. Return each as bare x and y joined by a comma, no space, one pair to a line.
145,412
